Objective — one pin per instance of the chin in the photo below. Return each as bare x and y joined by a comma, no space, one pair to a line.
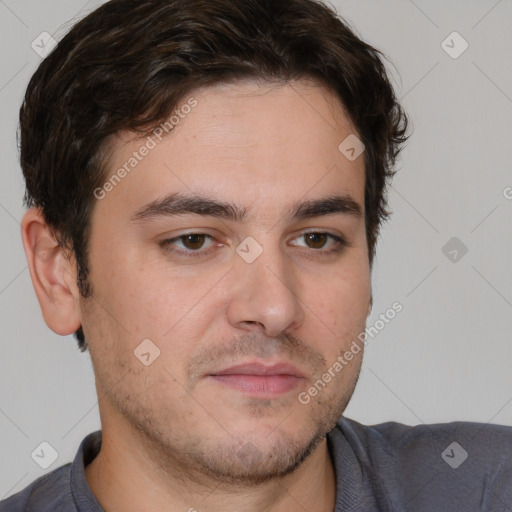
252,462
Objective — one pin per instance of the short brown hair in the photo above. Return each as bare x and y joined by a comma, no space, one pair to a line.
129,63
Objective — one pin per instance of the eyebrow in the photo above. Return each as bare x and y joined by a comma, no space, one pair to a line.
183,204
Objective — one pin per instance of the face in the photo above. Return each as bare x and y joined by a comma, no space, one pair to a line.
234,249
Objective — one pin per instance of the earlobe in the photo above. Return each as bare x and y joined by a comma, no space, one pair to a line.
53,274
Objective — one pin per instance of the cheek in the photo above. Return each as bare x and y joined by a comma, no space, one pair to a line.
152,302
344,297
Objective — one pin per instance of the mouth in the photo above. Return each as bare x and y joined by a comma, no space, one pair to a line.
259,380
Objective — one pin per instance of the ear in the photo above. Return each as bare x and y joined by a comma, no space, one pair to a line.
53,274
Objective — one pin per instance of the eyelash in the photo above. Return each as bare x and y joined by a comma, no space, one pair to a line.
340,244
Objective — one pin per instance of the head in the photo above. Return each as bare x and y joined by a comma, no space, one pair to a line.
187,171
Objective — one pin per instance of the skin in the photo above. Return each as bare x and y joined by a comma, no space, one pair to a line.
174,438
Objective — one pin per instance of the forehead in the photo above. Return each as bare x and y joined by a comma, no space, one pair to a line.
243,142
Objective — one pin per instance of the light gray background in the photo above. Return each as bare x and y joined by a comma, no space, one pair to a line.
446,356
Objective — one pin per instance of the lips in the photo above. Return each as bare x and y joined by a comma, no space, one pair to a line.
261,369
259,380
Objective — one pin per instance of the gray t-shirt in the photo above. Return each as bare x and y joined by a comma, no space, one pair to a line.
454,467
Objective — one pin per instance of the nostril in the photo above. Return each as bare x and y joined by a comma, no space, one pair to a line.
253,322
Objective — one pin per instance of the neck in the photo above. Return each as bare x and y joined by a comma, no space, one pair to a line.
127,476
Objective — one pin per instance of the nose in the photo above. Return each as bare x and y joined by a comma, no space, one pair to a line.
264,295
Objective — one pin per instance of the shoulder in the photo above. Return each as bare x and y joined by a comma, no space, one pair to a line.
49,493
58,490
438,465
400,434
484,443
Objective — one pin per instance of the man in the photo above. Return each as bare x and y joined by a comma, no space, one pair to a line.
206,182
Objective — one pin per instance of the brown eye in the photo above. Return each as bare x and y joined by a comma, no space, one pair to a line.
191,245
316,240
193,242
321,243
